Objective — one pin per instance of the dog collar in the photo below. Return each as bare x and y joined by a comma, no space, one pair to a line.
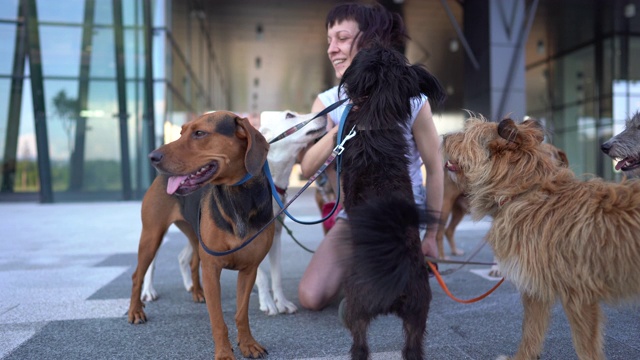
243,180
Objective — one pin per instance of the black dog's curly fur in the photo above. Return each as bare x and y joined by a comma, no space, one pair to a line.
386,272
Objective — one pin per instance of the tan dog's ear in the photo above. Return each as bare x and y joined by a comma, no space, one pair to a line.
257,146
508,130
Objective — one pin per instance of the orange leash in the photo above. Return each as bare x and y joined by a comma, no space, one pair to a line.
446,289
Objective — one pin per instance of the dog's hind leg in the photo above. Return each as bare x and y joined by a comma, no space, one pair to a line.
414,330
267,305
457,214
586,329
192,282
275,262
414,311
149,293
444,219
358,327
184,261
534,327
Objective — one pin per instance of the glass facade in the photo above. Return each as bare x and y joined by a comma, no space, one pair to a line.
89,87
580,76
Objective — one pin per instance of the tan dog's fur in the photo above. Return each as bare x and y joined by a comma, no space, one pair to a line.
556,237
240,150
455,206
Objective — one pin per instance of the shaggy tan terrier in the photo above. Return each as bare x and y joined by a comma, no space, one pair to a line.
556,237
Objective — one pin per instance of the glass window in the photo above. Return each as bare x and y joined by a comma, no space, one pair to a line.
577,135
61,104
103,58
60,47
67,11
158,59
9,9
8,36
104,12
537,93
158,12
132,12
102,158
575,77
572,23
26,179
634,55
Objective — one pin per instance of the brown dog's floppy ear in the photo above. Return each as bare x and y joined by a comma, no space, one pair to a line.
257,146
508,130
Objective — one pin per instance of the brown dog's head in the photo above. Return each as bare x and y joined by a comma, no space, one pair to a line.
220,148
494,162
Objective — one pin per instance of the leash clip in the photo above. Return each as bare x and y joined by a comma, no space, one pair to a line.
340,148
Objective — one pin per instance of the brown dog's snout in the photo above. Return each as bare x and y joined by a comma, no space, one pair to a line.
155,156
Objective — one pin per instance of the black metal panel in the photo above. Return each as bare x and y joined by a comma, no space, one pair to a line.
37,90
123,116
149,117
9,165
77,156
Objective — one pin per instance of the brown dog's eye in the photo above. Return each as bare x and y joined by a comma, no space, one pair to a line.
199,133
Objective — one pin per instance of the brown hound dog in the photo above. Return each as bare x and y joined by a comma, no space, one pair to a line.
211,179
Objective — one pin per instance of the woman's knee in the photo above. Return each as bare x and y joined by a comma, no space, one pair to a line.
310,299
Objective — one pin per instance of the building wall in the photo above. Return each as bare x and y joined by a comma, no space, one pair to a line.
581,81
71,130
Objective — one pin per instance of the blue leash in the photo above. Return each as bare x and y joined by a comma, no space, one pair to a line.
337,151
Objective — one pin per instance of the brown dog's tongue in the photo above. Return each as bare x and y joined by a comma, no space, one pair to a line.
174,183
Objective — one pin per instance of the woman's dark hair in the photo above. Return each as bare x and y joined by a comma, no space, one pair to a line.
376,24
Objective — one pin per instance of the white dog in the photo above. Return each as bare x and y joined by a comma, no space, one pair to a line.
281,158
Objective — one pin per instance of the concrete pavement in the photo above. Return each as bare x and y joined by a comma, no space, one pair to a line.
65,281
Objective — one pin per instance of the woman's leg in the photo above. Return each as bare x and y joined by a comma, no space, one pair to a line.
322,279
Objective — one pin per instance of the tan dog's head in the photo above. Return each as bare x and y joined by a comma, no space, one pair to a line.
218,148
494,162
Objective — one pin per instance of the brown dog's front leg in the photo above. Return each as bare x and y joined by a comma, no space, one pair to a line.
211,279
248,345
150,240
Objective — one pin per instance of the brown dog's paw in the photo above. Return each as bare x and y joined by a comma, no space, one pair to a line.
197,294
252,350
457,252
225,355
137,316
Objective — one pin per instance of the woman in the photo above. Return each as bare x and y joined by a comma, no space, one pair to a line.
351,27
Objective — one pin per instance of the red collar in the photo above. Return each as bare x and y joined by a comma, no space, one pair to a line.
281,191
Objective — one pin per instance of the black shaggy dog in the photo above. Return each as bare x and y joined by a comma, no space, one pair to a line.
386,271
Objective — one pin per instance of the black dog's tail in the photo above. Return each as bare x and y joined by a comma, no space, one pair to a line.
385,248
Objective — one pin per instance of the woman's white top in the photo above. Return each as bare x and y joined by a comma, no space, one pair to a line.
415,161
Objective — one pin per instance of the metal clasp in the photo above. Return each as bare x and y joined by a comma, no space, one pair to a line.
340,148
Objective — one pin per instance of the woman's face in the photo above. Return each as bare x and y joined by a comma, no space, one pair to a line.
341,37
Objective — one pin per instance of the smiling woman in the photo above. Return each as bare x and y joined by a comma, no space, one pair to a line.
350,29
